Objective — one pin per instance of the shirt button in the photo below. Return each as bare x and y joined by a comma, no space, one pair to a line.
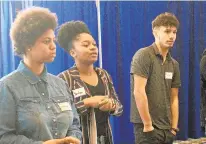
54,120
42,93
48,107
55,134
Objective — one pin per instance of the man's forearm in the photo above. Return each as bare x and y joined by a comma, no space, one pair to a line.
143,108
175,112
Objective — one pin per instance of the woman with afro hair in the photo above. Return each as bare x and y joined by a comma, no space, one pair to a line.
36,106
92,87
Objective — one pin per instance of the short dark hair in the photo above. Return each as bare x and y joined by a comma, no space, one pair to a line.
69,31
29,25
165,19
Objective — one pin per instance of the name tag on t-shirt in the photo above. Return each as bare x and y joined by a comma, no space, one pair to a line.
168,75
64,106
79,92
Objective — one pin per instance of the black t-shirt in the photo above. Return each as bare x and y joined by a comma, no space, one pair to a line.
101,117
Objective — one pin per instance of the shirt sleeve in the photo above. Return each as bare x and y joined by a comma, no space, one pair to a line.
118,106
140,64
8,119
176,82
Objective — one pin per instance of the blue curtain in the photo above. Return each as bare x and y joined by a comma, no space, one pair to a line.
6,55
8,9
126,27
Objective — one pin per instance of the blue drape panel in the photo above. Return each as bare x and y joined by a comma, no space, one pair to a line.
6,55
126,27
112,61
8,9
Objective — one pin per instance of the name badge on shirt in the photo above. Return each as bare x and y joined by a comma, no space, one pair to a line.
79,92
64,106
168,75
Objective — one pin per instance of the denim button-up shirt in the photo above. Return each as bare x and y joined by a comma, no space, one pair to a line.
34,108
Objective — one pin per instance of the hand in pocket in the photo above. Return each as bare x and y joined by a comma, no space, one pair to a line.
151,134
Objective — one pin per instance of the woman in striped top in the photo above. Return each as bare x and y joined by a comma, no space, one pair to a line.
92,87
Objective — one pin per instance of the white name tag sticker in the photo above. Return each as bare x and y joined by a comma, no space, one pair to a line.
168,75
79,92
64,106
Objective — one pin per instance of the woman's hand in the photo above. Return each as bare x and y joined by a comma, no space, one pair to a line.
93,101
66,140
71,140
107,105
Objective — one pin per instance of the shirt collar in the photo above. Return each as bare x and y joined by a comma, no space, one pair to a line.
29,75
157,53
